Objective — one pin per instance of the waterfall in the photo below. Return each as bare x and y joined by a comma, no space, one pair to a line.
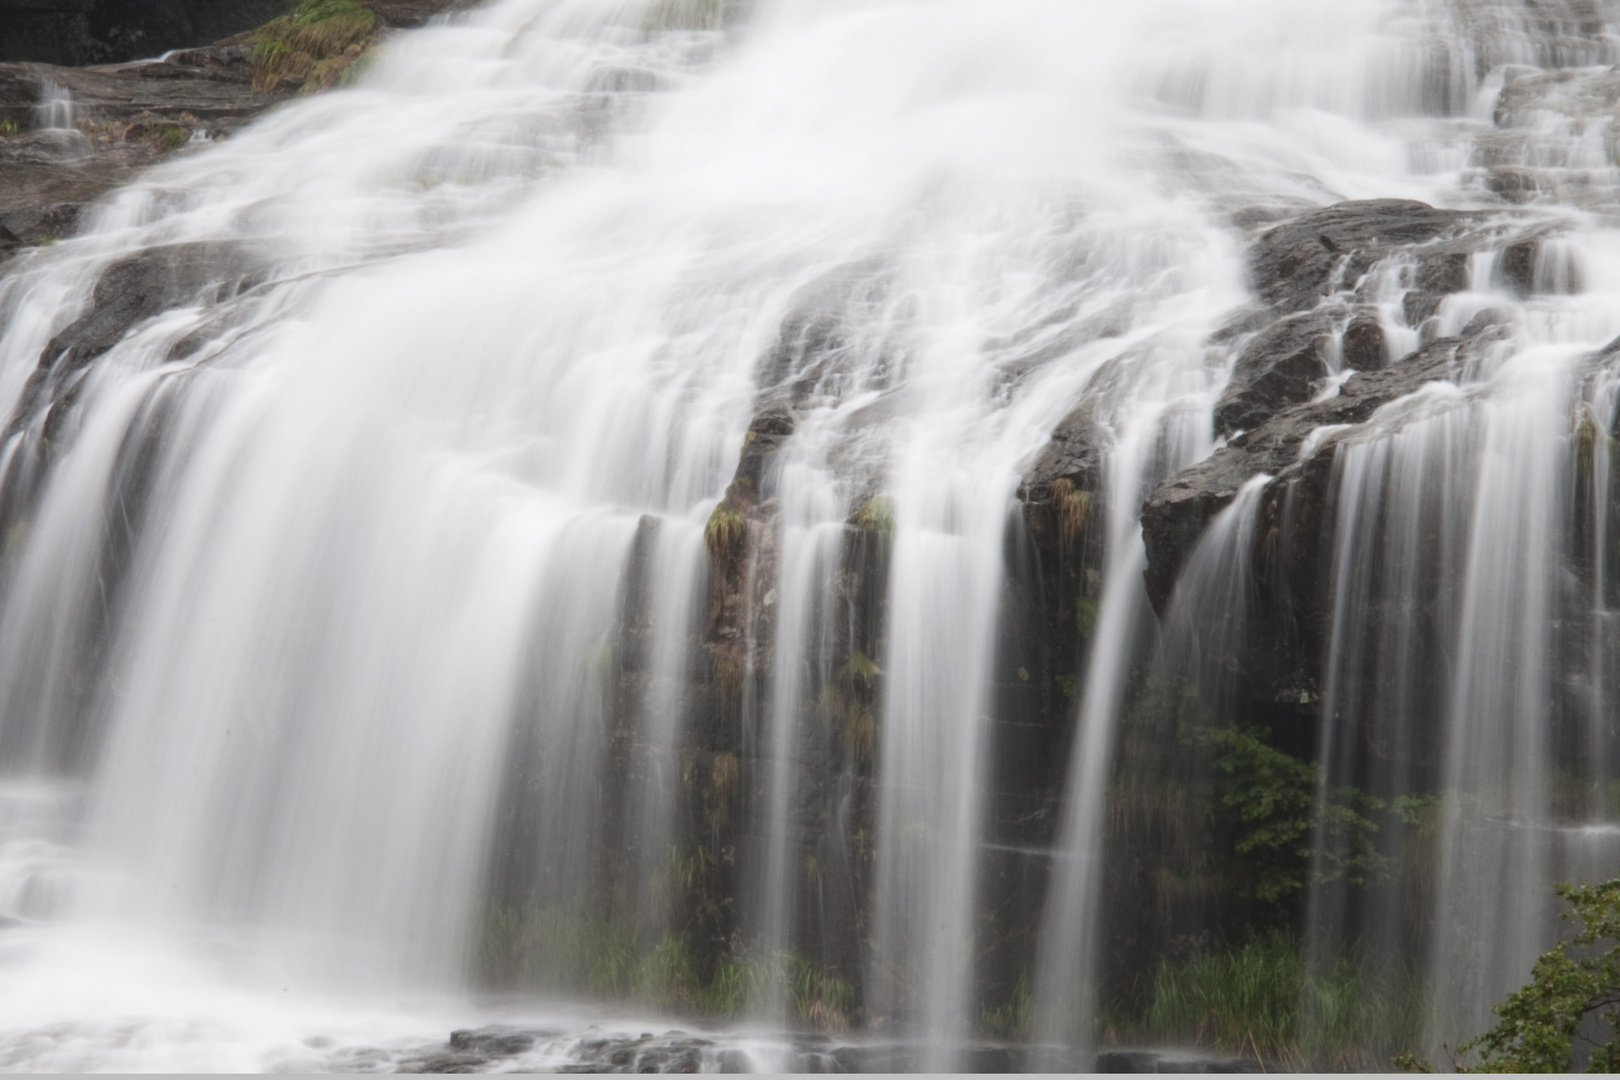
645,507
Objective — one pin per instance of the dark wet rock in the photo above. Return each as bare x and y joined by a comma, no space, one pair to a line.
493,1041
128,117
475,1050
1075,453
128,292
1282,366
674,1052
1363,347
766,434
1174,516
1301,261
113,31
1516,267
77,32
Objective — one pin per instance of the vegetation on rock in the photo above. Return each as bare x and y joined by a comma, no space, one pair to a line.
313,44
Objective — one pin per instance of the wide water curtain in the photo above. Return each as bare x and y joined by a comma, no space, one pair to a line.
945,524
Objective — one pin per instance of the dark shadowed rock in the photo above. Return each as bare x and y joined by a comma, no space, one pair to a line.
1299,262
1282,366
1363,346
76,32
1075,453
113,31
1175,515
128,292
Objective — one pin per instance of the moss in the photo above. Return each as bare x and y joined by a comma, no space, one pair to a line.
1586,441
876,515
729,675
1086,610
313,44
860,731
725,532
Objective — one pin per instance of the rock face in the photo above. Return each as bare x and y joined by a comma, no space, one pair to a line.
125,119
1315,274
126,116
115,31
128,292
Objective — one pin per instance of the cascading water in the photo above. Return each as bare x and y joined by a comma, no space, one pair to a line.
643,502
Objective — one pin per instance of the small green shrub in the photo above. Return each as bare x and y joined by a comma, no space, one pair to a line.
1540,1023
8,128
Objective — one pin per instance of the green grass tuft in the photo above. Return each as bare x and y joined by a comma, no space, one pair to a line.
1263,1000
312,45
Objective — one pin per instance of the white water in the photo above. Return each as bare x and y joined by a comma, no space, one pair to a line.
515,300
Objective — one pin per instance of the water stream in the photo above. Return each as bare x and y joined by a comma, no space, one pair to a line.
391,642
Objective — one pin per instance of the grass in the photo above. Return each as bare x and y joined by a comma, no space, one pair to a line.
1073,509
311,45
568,949
1262,1000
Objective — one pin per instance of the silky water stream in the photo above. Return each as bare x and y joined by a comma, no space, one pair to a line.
555,557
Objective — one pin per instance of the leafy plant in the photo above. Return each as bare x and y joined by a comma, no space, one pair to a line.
1567,997
8,128
1274,797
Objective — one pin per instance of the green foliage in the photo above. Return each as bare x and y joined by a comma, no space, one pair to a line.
1541,1022
1264,999
8,128
1274,800
313,44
